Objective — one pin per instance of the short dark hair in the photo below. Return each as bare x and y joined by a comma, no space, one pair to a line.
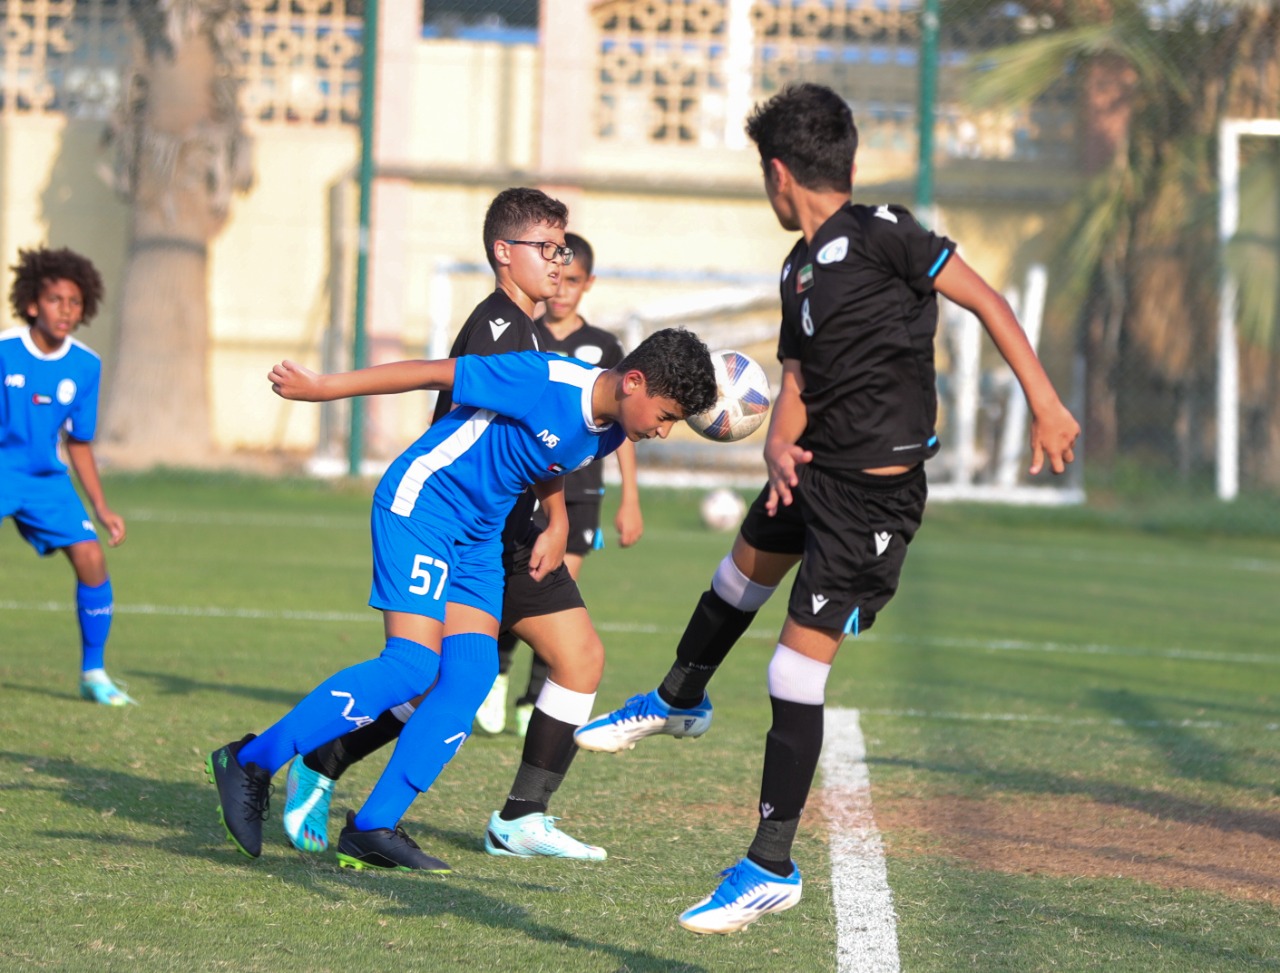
676,365
810,129
582,252
515,210
41,266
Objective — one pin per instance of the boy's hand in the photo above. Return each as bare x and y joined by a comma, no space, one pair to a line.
629,523
114,524
289,380
1054,435
782,459
548,551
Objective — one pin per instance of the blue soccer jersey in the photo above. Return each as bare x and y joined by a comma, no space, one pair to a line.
44,394
519,418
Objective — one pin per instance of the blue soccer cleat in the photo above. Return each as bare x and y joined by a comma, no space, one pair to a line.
306,807
643,716
97,687
747,893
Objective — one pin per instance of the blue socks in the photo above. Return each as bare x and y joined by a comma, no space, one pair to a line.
436,731
93,608
351,698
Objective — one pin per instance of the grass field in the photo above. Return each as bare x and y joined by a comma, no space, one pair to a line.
1071,726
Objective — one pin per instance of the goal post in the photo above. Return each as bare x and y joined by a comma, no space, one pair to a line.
1230,132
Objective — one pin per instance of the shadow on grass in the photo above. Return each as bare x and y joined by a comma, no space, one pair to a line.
189,813
173,684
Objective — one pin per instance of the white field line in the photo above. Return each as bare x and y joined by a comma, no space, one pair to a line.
866,926
631,628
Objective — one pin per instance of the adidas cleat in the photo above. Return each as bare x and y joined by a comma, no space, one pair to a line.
384,848
244,796
747,893
98,688
536,836
492,714
643,716
306,807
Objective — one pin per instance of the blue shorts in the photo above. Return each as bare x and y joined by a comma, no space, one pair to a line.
47,510
419,568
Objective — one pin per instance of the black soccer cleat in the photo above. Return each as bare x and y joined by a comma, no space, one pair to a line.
244,796
384,848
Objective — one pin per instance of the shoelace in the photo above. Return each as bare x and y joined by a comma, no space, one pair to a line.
404,836
638,706
257,801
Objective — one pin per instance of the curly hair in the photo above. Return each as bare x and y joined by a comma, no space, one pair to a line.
41,266
676,365
809,128
515,210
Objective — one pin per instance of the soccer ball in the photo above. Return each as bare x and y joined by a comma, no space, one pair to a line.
743,399
722,509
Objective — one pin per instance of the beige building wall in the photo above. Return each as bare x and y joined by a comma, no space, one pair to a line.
474,125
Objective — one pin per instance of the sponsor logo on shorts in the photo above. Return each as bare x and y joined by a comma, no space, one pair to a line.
819,602
882,541
88,525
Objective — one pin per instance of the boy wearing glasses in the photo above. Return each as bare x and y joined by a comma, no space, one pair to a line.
563,330
519,420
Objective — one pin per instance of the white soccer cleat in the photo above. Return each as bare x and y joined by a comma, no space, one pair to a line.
536,836
642,716
492,714
747,893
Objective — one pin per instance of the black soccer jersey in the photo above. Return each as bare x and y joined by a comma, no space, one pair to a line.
595,346
496,326
859,312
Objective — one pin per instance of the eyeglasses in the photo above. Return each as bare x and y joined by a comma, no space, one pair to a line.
549,250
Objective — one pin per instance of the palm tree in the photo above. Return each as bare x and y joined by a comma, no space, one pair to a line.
180,153
1138,255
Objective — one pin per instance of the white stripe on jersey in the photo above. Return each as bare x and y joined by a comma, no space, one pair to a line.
440,456
572,373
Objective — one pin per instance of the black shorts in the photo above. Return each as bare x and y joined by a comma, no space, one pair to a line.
584,525
526,598
852,534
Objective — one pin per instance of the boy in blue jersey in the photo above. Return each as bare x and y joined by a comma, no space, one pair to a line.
50,387
518,419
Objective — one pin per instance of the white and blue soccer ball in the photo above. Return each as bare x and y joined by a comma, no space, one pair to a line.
722,509
743,400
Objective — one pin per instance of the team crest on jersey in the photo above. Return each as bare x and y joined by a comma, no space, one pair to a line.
39,399
66,391
591,354
804,280
806,319
835,251
584,464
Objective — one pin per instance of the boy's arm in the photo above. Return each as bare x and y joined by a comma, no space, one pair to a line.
289,380
548,549
80,453
1053,428
629,522
786,425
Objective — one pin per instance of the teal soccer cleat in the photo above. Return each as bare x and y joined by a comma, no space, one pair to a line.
99,688
308,794
536,836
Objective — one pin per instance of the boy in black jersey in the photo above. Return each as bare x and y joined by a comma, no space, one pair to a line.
848,437
541,605
563,330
